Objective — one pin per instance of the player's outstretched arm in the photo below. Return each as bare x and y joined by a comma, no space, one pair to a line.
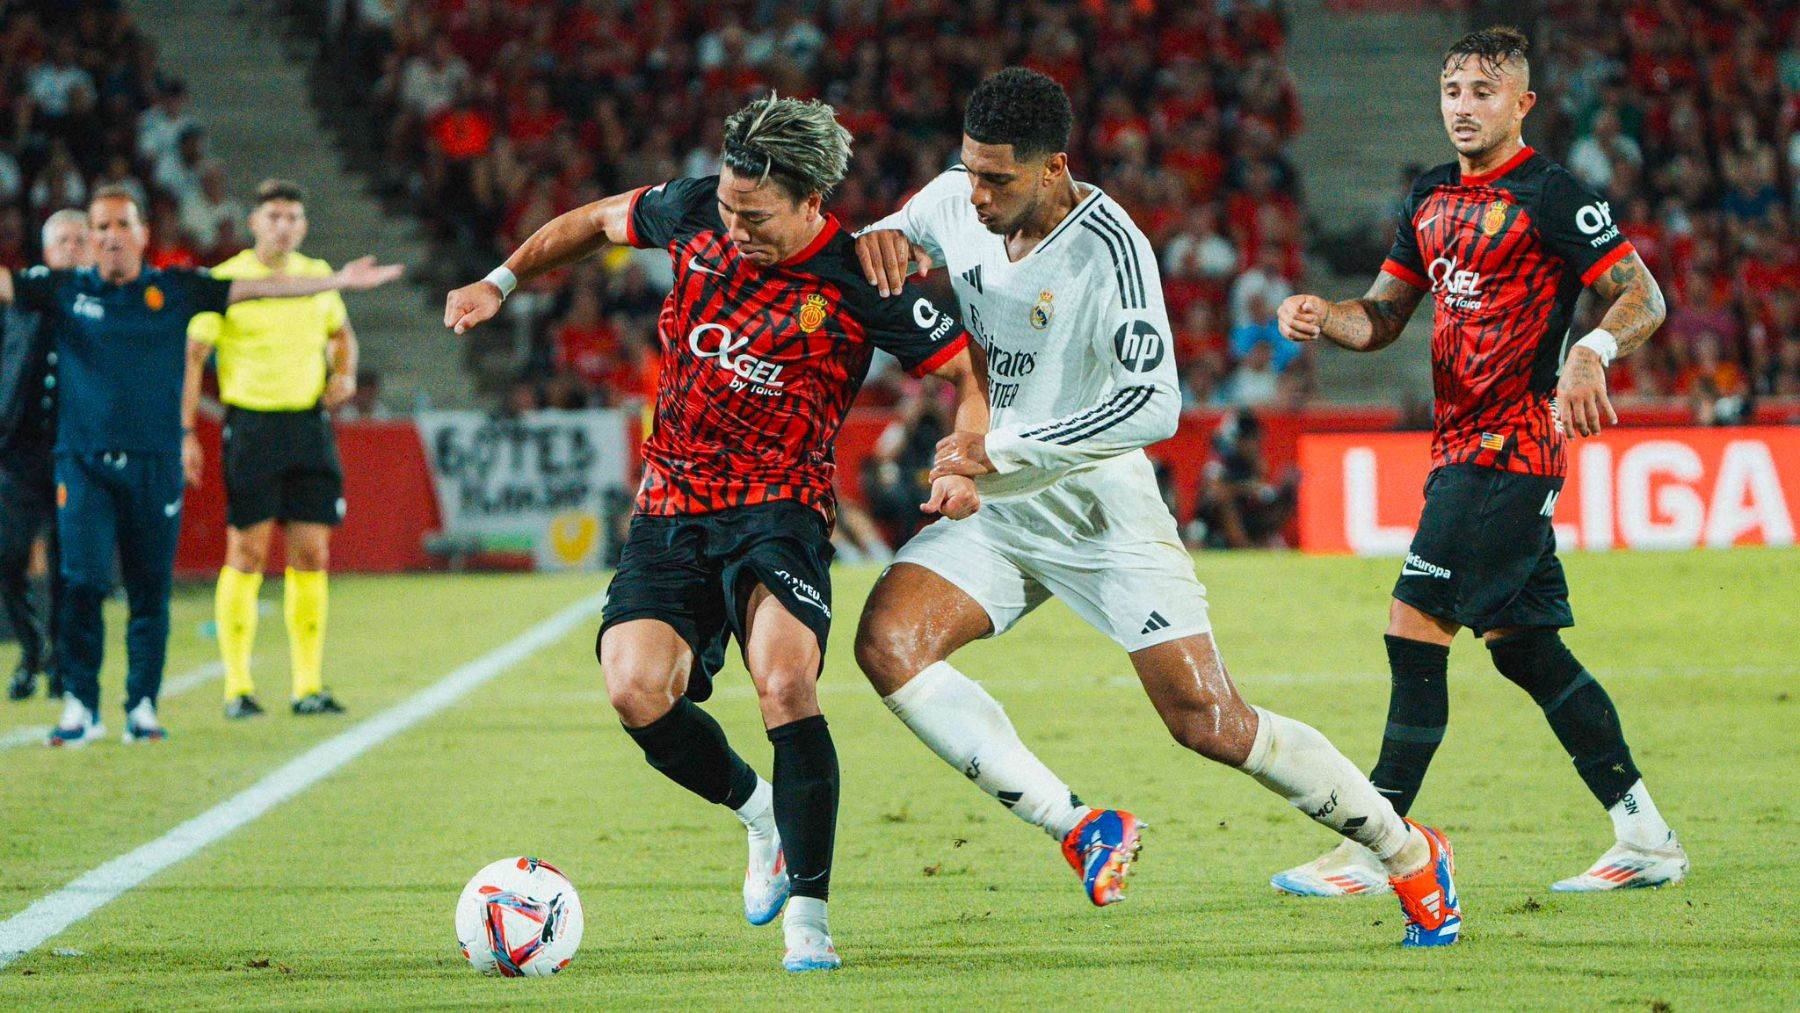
356,276
1636,312
562,240
1361,325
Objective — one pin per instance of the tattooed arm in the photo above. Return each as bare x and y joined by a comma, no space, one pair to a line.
1637,311
1361,325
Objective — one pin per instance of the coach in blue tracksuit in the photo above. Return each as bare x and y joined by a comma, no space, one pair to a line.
27,465
125,441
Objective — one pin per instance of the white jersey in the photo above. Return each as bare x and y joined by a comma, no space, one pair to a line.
1081,377
1081,369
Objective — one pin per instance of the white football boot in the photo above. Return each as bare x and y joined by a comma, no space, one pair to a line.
78,726
808,937
1348,870
1628,867
766,880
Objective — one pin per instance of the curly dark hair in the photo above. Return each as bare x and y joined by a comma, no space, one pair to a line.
1022,108
1493,47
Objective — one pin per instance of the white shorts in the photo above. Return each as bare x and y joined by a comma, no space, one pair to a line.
1113,556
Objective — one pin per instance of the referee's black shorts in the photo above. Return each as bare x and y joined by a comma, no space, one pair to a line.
1485,553
281,466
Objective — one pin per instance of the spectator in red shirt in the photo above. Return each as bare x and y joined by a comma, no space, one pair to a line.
530,124
586,342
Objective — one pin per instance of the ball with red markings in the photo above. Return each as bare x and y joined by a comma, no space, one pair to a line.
519,918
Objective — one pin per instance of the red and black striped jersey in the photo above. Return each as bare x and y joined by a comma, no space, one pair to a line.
1504,255
760,366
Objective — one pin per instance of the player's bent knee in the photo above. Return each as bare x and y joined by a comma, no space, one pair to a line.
788,694
888,653
1205,730
641,694
1411,623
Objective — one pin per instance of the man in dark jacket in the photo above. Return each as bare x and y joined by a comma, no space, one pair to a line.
27,479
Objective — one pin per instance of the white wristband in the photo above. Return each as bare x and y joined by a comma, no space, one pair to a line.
503,280
1601,343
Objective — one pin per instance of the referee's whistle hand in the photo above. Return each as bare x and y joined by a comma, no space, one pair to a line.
470,305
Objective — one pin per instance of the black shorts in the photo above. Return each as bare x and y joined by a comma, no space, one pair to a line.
281,466
1485,555
696,573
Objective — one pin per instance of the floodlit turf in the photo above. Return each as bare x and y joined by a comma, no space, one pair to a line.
343,896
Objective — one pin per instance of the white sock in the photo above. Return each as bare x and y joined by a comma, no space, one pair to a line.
968,728
758,814
1636,821
1294,761
804,917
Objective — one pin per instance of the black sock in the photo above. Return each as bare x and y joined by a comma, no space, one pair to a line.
1418,710
806,802
689,747
1578,709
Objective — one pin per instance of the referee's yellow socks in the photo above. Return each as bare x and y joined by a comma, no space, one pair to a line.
305,604
234,612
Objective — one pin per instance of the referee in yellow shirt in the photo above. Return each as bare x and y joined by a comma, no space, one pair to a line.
281,457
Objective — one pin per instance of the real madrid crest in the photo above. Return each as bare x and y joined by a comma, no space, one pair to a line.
1494,219
1041,313
812,313
153,298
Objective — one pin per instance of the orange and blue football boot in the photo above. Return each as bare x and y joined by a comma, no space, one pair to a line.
1101,849
1428,897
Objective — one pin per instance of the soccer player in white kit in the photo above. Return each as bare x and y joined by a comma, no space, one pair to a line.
1061,290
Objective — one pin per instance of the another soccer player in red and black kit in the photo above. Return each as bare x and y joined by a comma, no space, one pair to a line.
766,338
1504,240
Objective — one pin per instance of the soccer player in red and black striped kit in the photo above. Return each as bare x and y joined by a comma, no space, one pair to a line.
766,338
1504,240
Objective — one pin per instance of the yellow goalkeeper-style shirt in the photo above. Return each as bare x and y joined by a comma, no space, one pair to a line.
272,351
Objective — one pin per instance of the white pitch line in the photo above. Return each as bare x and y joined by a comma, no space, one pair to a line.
190,679
53,913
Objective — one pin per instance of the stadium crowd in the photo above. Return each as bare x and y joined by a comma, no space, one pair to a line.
1687,116
84,104
1183,113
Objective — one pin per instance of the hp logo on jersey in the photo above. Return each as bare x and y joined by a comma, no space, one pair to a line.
1138,346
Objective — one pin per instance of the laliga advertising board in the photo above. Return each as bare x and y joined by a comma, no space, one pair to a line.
1627,489
543,479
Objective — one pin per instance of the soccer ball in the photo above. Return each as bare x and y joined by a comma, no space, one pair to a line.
519,917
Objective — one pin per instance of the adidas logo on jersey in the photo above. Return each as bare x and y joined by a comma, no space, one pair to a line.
1156,622
973,277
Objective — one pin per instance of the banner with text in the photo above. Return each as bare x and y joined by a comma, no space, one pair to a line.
1627,489
545,482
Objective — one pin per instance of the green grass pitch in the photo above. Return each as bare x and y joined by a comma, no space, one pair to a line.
342,897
